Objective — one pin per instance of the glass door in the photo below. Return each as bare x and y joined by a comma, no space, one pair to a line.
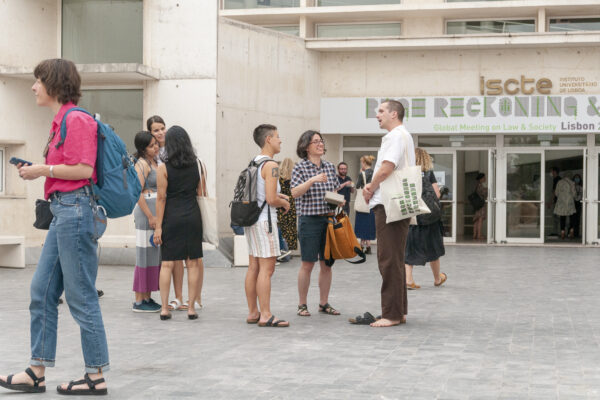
444,168
491,199
593,198
521,197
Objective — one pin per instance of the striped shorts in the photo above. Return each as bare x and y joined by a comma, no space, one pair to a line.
261,243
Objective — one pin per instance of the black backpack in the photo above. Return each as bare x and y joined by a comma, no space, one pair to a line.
433,203
244,207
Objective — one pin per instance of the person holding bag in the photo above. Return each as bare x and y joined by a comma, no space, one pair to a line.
425,243
364,223
397,149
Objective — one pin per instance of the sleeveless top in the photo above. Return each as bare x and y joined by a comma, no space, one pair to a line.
261,194
150,181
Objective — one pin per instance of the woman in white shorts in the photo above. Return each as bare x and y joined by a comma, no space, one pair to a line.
263,237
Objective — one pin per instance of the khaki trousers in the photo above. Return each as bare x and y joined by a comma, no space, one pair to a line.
391,244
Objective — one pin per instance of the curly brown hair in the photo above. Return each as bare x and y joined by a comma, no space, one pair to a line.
60,78
423,159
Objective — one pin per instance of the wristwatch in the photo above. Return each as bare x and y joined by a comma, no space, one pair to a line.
51,171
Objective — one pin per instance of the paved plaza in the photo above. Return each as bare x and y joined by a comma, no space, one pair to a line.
510,323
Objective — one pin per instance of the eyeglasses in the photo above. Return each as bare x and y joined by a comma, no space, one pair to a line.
316,142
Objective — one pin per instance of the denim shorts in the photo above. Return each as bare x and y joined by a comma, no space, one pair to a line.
312,232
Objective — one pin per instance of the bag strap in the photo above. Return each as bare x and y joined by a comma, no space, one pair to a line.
203,177
63,124
258,165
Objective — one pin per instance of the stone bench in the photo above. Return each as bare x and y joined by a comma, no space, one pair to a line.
12,251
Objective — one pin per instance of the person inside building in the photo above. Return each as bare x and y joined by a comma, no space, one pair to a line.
263,236
346,186
555,174
565,193
576,218
364,223
147,265
425,243
481,209
69,260
178,221
312,178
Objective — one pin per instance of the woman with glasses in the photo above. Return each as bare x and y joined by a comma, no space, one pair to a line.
312,177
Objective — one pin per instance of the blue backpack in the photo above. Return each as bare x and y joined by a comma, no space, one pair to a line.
117,188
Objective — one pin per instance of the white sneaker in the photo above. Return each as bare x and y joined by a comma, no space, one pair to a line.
283,255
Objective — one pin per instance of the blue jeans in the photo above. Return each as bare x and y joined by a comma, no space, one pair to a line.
69,262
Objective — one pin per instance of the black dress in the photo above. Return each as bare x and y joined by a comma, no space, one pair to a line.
425,243
182,223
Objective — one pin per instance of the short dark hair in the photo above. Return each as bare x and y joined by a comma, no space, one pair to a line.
141,141
479,176
395,105
261,132
60,78
180,153
152,120
342,163
304,142
555,169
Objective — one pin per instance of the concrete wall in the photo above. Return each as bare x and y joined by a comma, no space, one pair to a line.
25,125
447,73
263,77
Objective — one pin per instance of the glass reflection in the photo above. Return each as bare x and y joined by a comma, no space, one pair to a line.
442,168
523,180
523,220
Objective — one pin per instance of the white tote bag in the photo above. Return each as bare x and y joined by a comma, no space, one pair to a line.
360,205
401,193
208,210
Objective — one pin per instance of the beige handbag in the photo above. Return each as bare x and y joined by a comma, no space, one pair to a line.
360,205
208,210
401,193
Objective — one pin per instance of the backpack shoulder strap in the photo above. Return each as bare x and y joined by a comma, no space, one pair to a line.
63,124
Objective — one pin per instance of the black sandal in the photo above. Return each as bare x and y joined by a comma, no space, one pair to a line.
366,319
273,324
79,392
303,310
25,387
327,309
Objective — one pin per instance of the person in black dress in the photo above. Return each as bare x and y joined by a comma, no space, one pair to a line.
425,243
364,223
179,223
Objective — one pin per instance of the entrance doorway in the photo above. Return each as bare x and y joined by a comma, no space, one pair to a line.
456,172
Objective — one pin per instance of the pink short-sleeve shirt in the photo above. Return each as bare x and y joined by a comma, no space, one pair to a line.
79,148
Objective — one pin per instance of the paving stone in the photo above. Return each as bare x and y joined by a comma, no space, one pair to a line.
510,323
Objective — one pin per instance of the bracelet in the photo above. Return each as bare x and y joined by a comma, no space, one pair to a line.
51,171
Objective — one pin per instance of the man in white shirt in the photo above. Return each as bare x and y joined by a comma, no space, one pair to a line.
397,151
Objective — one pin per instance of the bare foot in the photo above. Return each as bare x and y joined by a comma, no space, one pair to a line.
84,386
384,322
253,317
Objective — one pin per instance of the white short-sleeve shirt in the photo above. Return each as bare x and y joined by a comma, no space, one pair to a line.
393,147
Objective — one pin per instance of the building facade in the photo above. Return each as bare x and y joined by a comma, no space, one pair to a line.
507,88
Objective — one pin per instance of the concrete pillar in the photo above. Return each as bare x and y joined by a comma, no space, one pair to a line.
541,20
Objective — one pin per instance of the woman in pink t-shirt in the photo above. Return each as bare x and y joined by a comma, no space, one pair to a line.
69,260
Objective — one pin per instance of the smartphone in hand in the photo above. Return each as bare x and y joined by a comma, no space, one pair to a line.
17,161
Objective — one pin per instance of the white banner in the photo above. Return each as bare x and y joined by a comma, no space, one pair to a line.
468,114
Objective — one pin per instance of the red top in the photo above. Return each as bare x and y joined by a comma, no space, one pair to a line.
79,148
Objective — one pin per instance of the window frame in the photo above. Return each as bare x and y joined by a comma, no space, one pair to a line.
535,25
358,23
2,170
570,17
317,5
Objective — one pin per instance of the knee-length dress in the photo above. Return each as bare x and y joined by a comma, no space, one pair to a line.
364,223
287,222
147,257
182,222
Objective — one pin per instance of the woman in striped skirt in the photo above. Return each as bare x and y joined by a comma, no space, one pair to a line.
147,265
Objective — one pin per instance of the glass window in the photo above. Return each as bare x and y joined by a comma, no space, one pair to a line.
362,141
100,31
289,29
2,152
460,1
358,30
597,140
233,4
544,140
356,2
456,141
574,24
499,26
121,109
